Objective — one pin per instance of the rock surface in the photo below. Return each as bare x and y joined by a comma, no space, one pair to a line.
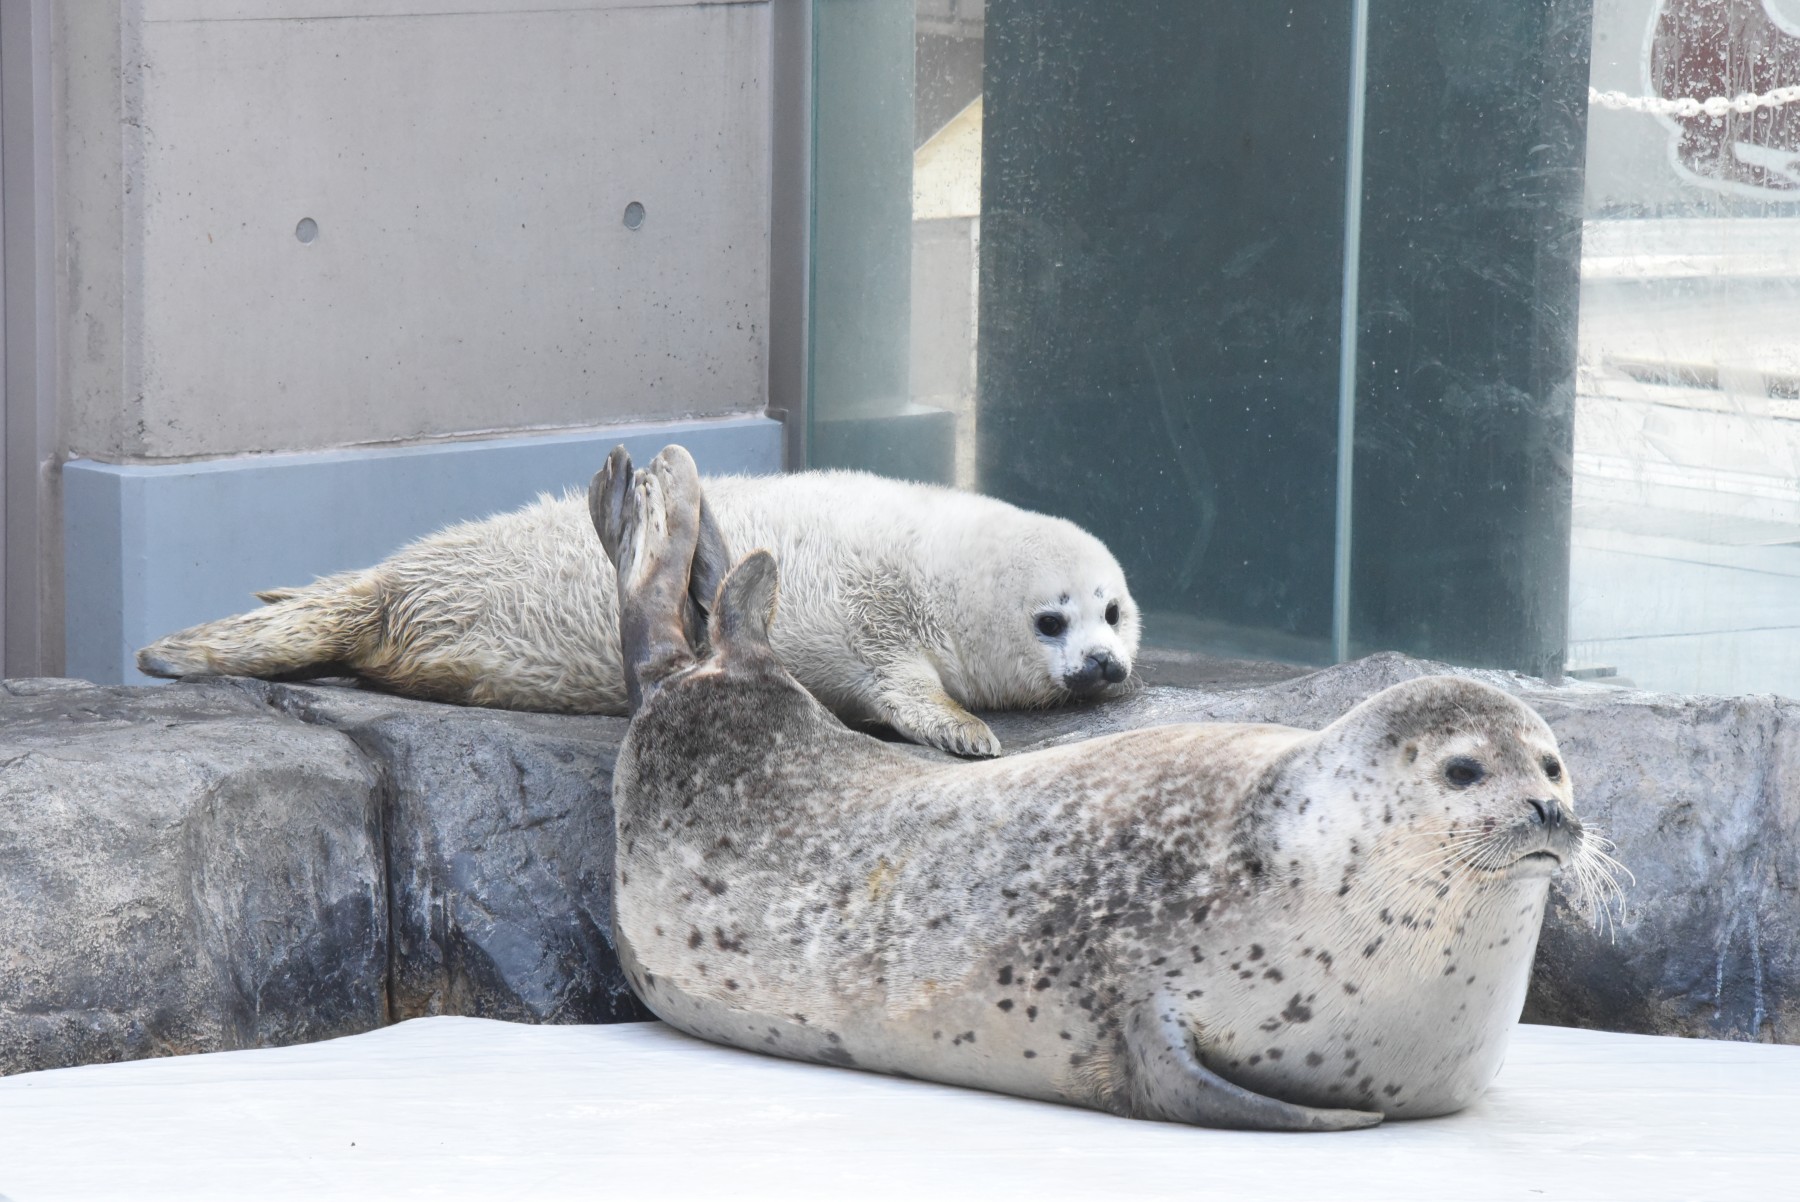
225,864
499,853
181,870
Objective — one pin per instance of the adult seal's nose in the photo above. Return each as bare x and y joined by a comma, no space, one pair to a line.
1098,669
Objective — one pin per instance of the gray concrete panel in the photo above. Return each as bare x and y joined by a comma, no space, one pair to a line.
154,548
468,268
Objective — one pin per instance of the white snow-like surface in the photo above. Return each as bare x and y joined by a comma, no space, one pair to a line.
451,1108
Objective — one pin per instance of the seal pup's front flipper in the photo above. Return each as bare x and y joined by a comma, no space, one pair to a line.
912,700
649,523
1167,1081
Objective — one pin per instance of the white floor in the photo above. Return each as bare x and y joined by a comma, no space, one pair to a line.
454,1108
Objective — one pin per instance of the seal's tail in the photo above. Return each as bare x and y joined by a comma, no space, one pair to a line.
670,557
301,632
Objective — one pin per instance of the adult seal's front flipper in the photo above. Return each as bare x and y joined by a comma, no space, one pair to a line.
1167,1081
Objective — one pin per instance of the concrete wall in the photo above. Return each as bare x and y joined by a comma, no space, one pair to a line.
467,168
303,226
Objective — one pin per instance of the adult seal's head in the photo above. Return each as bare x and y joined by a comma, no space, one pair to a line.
1238,926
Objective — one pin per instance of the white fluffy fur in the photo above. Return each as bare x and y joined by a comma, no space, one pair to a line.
901,603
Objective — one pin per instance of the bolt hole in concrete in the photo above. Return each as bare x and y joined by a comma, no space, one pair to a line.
307,231
634,215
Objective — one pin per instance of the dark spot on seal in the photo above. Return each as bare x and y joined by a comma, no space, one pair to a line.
1314,1060
838,1056
1349,989
1390,1090
716,888
696,939
1257,1059
1272,974
1297,1011
1030,1055
1006,975
729,984
1370,948
1274,1053
1043,983
1031,1013
1005,1003
1256,951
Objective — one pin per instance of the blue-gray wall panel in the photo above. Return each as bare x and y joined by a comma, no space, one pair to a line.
153,548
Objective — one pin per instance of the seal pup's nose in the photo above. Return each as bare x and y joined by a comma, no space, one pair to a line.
1098,669
1547,813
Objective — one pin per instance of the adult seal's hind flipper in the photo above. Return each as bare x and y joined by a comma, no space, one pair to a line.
649,523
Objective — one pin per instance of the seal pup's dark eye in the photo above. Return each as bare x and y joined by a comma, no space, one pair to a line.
1051,625
1112,613
1552,768
1462,772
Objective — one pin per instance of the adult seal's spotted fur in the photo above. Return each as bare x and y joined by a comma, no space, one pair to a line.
1236,926
907,605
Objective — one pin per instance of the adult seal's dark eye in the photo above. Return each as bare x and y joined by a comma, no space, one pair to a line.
1112,613
1552,768
1051,625
1462,772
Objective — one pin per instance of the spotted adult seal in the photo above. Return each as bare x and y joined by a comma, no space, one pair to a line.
1230,925
907,604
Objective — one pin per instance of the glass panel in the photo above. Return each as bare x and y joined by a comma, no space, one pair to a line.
1686,542
1093,259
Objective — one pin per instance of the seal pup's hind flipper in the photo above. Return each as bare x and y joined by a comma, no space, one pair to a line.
311,631
1166,1080
649,523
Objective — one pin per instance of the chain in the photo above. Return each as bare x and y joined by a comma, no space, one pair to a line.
1687,106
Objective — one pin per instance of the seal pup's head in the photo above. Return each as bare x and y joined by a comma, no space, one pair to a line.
1063,624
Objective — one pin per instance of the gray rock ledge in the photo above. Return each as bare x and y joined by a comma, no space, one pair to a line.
228,863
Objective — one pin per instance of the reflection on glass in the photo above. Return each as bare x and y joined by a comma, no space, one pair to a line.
1686,539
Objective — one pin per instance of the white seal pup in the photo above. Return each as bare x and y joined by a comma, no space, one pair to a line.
1229,925
906,605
